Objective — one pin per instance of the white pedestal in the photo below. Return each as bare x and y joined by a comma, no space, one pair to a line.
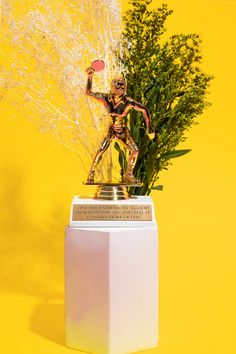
111,283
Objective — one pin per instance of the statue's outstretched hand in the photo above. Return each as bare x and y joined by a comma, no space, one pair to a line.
151,136
90,71
150,133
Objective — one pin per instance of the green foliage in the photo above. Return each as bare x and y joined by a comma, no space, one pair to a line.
158,188
164,76
175,153
122,158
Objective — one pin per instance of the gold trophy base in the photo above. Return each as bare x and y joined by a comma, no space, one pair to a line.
112,191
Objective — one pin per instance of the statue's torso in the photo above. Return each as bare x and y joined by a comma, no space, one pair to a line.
117,110
114,107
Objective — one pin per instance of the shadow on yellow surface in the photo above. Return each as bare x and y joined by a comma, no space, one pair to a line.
33,251
48,321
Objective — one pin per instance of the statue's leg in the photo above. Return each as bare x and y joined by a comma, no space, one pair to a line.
103,147
130,145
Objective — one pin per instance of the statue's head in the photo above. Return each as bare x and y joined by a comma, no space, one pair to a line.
118,86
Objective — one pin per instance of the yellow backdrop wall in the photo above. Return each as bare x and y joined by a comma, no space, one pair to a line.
195,213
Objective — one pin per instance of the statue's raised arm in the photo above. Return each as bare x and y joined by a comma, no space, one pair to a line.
97,95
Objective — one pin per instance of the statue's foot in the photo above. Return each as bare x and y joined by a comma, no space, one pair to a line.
90,178
131,179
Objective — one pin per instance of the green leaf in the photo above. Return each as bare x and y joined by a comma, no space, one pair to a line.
175,153
121,157
117,147
153,147
158,188
153,98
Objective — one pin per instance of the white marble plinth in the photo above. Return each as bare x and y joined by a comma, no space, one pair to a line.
111,287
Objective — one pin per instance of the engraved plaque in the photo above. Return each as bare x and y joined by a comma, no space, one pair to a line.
112,212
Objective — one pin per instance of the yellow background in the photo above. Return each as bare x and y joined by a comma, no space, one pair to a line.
195,213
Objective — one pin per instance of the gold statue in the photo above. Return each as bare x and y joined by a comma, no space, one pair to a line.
118,106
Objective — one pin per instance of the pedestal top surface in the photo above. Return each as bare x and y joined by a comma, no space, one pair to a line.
133,200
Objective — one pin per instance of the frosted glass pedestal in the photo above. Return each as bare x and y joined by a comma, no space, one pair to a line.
111,279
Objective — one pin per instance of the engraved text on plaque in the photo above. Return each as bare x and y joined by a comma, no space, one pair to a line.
112,212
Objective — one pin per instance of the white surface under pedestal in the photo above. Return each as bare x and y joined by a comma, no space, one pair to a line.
111,288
